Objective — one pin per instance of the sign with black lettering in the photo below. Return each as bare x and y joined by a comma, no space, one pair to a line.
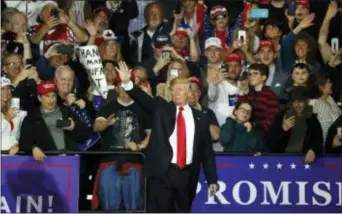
90,58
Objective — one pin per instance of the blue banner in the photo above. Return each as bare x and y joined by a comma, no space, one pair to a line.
32,187
93,137
269,184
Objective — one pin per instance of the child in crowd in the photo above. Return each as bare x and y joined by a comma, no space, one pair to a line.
264,101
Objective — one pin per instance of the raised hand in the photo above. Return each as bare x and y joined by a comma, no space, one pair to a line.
51,51
123,72
22,38
335,60
194,29
332,10
53,22
63,17
307,21
91,27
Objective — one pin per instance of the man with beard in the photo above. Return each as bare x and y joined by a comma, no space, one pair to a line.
276,78
141,40
97,25
223,89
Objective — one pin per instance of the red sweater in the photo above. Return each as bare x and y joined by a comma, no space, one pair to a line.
265,108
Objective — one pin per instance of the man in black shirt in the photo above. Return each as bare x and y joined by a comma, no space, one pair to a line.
123,125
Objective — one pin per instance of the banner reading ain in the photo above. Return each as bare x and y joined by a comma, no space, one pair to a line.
28,186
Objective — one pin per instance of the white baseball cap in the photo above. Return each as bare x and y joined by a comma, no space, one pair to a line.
6,82
213,41
108,35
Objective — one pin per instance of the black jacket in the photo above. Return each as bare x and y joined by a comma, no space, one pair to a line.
141,44
34,132
26,90
159,151
277,139
332,131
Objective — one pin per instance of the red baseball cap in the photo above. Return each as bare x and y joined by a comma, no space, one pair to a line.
267,43
104,9
304,3
233,57
217,11
195,80
46,87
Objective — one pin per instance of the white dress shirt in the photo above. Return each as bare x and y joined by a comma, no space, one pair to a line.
270,75
9,136
189,128
190,134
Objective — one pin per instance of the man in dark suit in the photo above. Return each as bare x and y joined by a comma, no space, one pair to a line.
180,142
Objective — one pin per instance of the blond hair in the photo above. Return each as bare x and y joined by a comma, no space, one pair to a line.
118,55
180,80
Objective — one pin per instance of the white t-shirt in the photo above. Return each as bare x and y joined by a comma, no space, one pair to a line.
222,100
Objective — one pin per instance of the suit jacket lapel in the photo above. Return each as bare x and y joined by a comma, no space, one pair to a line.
196,117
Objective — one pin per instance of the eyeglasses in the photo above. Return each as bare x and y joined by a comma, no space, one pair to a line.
245,110
12,64
253,74
220,17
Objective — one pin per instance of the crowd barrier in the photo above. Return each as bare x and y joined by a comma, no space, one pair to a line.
264,184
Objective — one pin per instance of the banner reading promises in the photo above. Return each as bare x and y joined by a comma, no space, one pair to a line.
268,184
29,186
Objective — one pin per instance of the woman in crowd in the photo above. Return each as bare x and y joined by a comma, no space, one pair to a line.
237,134
11,118
324,105
177,68
110,49
298,46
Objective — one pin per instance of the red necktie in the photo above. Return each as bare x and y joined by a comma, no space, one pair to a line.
181,139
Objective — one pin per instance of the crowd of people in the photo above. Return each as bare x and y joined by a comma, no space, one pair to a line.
263,84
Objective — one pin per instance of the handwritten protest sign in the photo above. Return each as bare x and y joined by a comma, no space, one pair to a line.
90,58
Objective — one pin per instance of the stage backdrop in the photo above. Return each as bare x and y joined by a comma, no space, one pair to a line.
269,184
29,186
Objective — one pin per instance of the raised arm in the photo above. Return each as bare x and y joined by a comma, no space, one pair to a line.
134,92
324,47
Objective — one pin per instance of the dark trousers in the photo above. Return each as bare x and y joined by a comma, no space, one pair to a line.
169,193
